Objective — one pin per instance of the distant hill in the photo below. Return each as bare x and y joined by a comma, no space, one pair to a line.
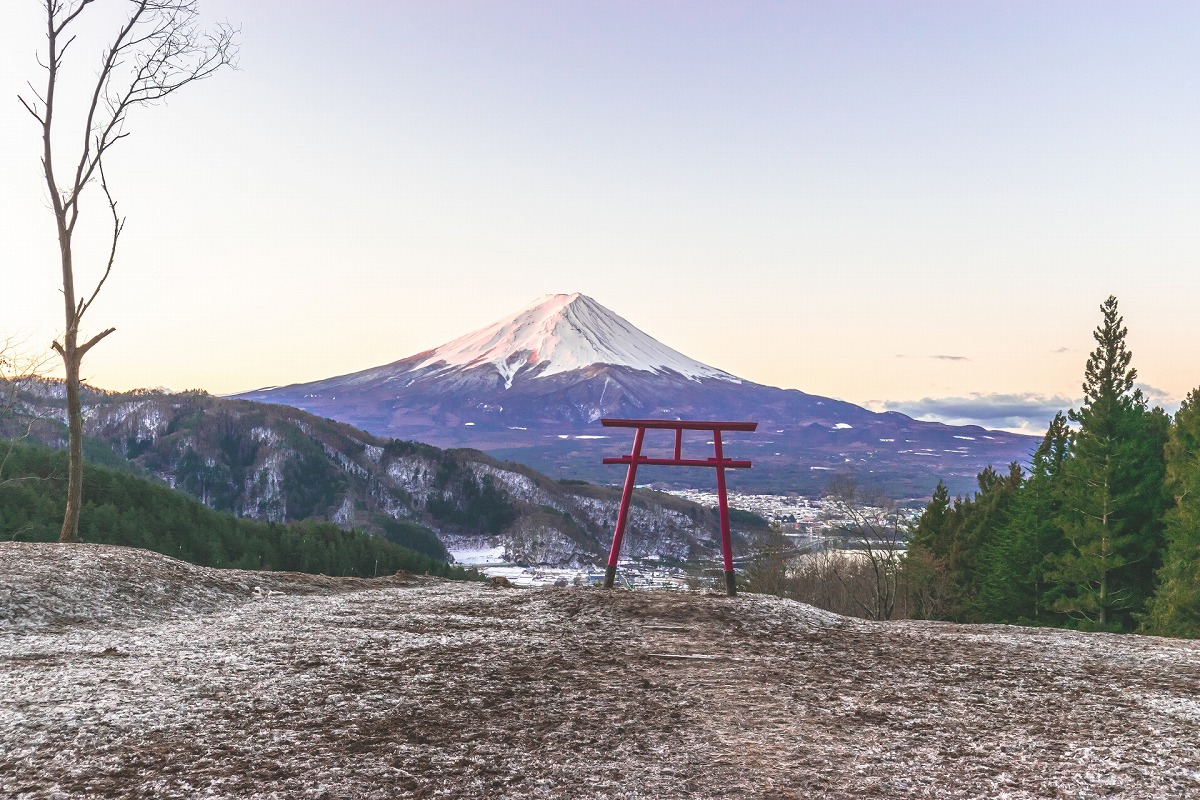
533,387
280,464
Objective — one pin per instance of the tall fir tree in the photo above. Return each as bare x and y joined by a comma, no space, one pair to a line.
1015,588
1175,608
925,566
932,529
1112,495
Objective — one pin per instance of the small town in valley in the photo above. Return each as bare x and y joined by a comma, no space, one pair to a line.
810,525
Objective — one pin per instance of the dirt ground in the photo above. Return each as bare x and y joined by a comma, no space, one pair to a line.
127,674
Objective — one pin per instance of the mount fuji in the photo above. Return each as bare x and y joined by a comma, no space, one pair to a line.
532,388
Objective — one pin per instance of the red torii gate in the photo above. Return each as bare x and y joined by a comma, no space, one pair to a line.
719,462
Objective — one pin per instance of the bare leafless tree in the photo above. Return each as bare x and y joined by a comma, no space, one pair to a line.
158,49
770,564
875,529
835,580
929,585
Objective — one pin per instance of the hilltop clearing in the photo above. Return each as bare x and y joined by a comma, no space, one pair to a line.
126,673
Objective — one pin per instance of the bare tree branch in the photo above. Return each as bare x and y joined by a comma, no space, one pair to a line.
118,226
86,163
874,527
90,343
53,8
174,56
36,115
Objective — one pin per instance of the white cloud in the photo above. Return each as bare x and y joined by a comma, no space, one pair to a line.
1028,413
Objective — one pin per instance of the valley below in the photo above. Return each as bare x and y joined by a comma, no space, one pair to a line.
126,673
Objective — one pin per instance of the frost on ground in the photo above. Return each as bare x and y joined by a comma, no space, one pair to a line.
124,673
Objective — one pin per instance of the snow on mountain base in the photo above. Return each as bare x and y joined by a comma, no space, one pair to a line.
463,690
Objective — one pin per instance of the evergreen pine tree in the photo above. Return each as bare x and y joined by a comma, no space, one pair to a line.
942,566
1015,588
1110,501
1175,608
930,532
924,569
983,522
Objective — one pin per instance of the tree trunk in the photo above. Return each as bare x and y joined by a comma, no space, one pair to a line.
1104,599
71,363
1104,545
70,526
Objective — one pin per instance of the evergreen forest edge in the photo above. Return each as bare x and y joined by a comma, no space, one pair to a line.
1102,532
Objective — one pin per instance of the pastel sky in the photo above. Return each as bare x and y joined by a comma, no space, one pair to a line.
911,205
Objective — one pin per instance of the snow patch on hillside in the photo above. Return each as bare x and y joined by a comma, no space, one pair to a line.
264,489
264,435
517,485
414,475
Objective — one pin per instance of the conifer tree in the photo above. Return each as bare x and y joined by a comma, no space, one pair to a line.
930,532
1111,502
943,564
924,568
1175,608
1015,587
982,522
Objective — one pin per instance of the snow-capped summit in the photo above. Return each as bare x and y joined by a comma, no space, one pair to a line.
559,333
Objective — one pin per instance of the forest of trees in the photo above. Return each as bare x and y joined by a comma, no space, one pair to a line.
124,509
1102,532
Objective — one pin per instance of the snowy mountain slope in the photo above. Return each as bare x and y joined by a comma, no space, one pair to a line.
534,386
556,335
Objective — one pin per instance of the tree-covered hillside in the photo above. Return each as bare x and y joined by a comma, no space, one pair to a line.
122,508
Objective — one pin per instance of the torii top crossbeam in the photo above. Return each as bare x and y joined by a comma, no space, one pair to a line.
718,462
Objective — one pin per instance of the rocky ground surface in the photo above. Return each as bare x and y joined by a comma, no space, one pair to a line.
127,674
